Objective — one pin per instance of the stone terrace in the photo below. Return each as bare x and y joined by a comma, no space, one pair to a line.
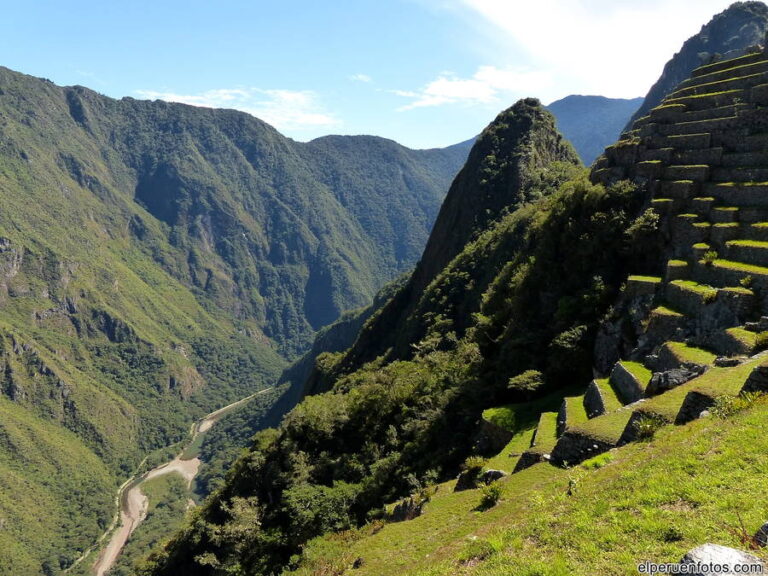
702,156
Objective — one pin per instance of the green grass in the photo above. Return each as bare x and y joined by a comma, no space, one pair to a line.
610,398
706,292
741,267
640,372
606,428
748,243
701,246
665,311
645,279
546,433
677,264
621,509
744,337
684,353
574,411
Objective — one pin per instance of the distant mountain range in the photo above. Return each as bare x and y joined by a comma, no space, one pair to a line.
592,122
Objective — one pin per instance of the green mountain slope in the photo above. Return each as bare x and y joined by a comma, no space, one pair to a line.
158,261
390,427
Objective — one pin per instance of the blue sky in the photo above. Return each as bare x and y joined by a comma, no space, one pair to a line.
423,72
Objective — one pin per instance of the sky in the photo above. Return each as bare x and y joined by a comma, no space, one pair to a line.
426,73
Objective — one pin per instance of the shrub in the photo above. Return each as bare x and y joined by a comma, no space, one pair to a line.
528,382
490,495
709,257
726,406
747,281
647,425
477,549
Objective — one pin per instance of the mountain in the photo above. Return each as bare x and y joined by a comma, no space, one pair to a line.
585,368
541,257
591,123
509,165
741,26
157,261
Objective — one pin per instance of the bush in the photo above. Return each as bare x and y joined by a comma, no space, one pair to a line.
647,425
709,257
490,495
726,406
529,382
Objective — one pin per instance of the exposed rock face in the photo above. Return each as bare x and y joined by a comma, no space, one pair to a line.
742,25
714,554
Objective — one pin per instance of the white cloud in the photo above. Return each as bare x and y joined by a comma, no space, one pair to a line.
611,47
288,110
488,85
361,78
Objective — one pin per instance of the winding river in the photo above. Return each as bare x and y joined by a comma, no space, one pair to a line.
133,504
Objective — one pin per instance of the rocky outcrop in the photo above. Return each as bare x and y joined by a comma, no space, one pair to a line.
742,25
707,556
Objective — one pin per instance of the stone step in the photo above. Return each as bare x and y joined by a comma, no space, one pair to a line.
679,189
594,437
702,205
674,355
740,141
664,324
572,413
629,379
709,156
724,215
667,112
694,173
722,232
731,273
642,285
735,341
688,296
740,174
688,230
729,64
716,100
736,159
756,231
717,86
683,141
749,251
600,398
741,70
693,127
677,270
715,112
738,194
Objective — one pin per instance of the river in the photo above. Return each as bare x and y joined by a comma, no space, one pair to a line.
133,504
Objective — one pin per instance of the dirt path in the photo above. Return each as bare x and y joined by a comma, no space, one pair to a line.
134,504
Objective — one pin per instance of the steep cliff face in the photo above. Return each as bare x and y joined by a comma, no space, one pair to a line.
742,25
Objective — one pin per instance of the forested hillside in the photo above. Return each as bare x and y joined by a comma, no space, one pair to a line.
508,314
157,261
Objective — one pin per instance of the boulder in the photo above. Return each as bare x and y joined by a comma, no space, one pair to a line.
713,555
467,480
758,380
729,361
491,475
761,536
663,381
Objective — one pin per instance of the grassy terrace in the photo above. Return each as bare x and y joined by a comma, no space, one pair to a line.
610,398
645,279
748,243
741,267
621,511
714,382
691,286
640,372
684,353
546,433
664,311
606,428
574,411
